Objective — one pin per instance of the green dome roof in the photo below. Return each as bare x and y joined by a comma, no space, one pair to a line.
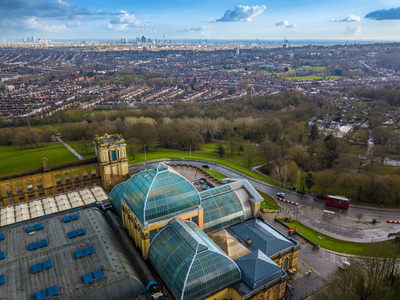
159,193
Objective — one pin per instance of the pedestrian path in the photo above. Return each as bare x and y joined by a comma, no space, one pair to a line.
70,149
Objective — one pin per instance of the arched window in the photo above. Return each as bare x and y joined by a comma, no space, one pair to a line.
39,184
58,179
285,263
84,174
29,186
76,175
93,172
18,185
8,190
67,178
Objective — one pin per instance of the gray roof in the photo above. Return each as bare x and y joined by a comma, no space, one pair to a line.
263,237
258,269
120,280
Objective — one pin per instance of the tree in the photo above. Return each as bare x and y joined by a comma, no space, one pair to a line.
324,180
314,133
310,180
269,150
281,173
221,150
373,277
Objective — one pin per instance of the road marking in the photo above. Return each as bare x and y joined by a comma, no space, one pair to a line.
332,257
310,267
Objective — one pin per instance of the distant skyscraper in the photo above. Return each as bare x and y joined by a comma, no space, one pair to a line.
237,51
143,39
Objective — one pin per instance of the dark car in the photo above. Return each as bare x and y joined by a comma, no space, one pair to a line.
205,166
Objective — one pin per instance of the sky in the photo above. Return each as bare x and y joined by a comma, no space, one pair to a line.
205,19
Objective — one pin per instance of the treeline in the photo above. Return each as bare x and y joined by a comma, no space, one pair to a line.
26,138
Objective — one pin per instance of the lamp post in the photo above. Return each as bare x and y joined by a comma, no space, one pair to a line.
380,214
190,147
144,147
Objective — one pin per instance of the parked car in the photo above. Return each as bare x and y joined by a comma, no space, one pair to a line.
205,166
344,265
280,194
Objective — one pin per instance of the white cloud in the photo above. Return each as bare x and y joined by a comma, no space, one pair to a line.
286,24
210,20
351,18
123,21
202,30
353,30
282,23
242,13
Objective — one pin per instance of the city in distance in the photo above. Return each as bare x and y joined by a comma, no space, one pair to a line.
262,135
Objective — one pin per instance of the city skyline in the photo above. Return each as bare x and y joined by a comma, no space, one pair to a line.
176,19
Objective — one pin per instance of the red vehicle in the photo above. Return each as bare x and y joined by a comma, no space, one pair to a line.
337,201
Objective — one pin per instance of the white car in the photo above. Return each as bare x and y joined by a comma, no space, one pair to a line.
280,194
344,265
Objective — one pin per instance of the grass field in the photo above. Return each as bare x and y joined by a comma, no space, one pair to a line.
269,202
161,153
14,160
215,174
333,244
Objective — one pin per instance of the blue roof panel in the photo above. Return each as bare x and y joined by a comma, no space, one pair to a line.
33,246
2,278
97,274
2,236
79,254
2,255
81,231
74,217
88,277
43,243
258,269
30,228
52,291
263,237
66,219
39,226
40,295
88,250
72,234
47,264
36,268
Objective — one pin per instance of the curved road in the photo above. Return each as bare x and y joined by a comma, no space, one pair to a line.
310,211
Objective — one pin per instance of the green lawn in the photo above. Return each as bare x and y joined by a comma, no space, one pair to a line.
14,160
333,244
161,153
75,146
215,174
269,202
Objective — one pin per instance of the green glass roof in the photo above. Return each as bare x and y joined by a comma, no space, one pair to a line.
189,262
116,197
221,206
159,193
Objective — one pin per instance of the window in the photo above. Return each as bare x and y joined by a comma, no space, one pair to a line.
29,186
58,179
93,171
19,188
39,184
76,176
8,190
67,178
84,174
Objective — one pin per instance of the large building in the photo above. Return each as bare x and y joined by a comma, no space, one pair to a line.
204,242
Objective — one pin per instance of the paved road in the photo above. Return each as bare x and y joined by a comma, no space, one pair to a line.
344,224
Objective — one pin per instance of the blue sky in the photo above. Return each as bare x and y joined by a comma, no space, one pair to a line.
206,19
